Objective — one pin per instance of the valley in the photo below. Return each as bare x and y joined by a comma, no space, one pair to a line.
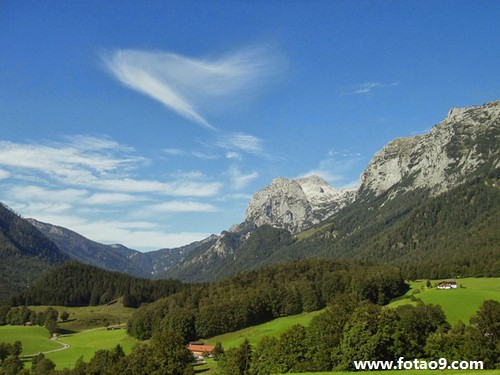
85,330
313,278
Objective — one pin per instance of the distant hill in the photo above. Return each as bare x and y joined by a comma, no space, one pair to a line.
154,264
25,253
76,284
110,257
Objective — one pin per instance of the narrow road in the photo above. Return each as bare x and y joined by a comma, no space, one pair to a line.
66,345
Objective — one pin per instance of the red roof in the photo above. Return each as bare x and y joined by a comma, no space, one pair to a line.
201,348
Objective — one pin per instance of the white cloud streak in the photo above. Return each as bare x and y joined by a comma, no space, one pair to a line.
183,84
4,174
238,179
368,88
102,165
241,142
181,206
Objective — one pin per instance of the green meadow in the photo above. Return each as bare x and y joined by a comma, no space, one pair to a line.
87,317
87,342
458,304
84,332
254,334
34,339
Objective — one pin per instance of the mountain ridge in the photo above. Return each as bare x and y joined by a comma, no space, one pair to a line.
303,217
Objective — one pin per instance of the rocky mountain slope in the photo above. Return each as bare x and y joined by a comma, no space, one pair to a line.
296,204
399,179
116,257
466,142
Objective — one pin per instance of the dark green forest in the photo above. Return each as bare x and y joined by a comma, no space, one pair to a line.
76,284
25,253
204,310
208,309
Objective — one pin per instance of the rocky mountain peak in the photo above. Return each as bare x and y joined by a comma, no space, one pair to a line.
295,204
439,160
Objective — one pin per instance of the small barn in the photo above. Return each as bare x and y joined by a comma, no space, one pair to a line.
201,350
447,284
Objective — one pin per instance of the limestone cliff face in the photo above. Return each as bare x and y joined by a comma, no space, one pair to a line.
465,141
295,204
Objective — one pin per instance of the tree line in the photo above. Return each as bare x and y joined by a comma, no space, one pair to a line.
355,331
250,298
76,284
23,315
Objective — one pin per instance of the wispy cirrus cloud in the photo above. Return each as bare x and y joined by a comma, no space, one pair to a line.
367,88
229,146
204,155
181,206
4,174
97,187
239,179
184,84
108,199
240,142
103,165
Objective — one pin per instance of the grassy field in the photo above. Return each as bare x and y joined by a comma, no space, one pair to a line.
86,343
254,334
87,317
34,339
458,304
83,331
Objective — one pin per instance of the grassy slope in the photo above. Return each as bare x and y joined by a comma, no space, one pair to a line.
87,317
86,343
34,339
82,336
255,333
458,304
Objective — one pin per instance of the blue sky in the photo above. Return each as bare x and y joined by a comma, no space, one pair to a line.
151,124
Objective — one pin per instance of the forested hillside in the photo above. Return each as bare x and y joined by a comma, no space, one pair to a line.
453,234
25,253
351,331
75,284
203,310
